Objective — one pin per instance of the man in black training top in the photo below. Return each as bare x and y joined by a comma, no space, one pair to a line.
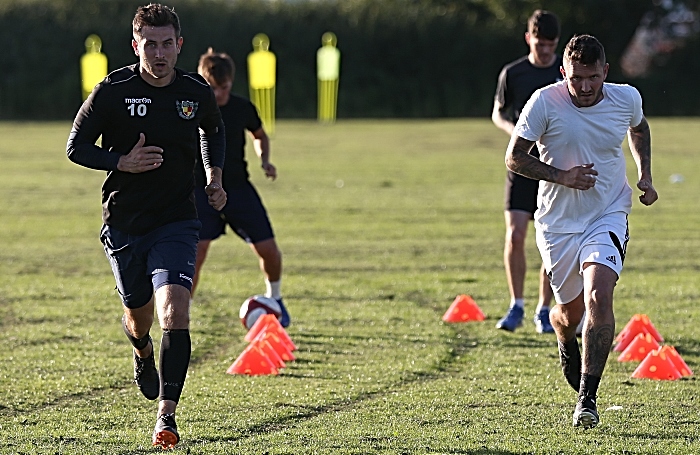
151,117
517,81
244,212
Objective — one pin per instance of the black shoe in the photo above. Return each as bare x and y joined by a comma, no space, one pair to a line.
146,375
570,359
586,413
165,433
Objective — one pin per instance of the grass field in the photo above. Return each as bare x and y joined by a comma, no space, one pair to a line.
382,224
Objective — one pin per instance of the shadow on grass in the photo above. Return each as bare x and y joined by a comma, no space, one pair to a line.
306,412
484,451
688,348
529,343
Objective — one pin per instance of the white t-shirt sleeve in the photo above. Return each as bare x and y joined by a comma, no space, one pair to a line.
637,113
532,122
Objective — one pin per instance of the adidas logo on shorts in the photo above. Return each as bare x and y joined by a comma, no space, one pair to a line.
612,259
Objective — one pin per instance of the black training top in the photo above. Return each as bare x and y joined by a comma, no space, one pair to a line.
239,115
519,80
121,107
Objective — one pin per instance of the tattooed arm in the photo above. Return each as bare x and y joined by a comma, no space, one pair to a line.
639,138
519,160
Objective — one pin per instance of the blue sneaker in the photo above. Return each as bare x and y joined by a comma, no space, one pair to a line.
512,320
542,324
285,320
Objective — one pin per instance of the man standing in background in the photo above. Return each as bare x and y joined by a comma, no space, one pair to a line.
244,212
516,83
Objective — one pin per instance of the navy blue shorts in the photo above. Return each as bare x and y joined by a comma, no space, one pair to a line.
143,263
244,213
521,193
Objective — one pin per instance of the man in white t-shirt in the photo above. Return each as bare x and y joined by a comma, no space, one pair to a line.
579,125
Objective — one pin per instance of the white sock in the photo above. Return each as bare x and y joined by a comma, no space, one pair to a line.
273,289
517,302
540,307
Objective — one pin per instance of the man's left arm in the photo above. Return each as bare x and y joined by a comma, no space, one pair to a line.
213,146
639,138
261,145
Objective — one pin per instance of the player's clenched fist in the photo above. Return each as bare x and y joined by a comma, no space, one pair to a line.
140,158
217,195
649,194
580,177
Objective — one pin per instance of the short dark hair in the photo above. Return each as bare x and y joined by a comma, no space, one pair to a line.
584,49
217,66
155,15
544,24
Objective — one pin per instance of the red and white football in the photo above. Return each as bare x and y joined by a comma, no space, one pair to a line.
256,306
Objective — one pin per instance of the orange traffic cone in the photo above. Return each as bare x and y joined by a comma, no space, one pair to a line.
642,345
636,323
274,326
269,322
657,365
626,337
252,361
270,352
259,326
677,360
463,309
277,344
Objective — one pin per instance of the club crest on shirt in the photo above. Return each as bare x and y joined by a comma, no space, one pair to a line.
187,109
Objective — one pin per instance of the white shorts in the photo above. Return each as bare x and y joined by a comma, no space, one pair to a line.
603,242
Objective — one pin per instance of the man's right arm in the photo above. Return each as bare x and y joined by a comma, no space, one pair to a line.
519,160
499,118
87,128
502,114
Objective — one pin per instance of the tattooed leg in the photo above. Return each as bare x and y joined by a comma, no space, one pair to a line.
598,285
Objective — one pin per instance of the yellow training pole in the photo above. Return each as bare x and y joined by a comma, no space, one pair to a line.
328,70
93,65
262,68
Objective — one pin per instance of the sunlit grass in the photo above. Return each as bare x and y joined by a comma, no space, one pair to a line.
382,224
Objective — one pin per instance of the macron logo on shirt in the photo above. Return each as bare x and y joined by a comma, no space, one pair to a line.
137,100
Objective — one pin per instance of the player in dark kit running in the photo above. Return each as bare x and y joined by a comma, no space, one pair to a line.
516,83
244,212
149,116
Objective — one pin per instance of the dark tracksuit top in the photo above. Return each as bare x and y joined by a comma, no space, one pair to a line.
176,118
517,81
